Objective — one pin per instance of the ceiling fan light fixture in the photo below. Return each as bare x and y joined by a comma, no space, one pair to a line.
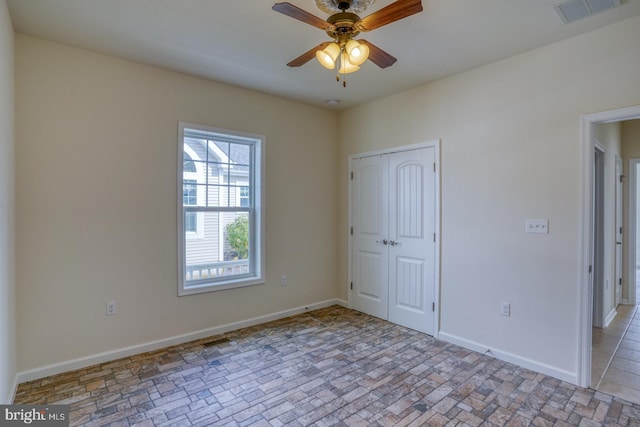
346,66
358,52
327,56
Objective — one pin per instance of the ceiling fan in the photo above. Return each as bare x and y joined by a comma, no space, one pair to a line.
344,52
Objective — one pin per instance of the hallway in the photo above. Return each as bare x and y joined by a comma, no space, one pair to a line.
616,354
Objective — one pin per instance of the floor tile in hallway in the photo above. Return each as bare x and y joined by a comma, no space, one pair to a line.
605,342
623,376
330,367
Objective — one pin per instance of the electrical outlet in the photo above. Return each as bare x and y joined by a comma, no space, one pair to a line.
283,280
505,309
111,308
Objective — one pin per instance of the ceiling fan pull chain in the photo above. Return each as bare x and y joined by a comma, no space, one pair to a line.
342,67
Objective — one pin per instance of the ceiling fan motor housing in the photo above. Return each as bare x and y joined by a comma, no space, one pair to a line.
343,23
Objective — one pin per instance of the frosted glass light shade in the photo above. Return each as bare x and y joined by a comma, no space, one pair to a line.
347,67
327,56
358,52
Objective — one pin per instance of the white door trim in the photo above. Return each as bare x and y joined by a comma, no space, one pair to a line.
584,291
631,226
599,222
619,232
436,145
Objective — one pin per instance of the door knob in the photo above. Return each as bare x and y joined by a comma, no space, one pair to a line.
394,243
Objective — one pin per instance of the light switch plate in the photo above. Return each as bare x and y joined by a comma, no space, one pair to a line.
537,226
505,309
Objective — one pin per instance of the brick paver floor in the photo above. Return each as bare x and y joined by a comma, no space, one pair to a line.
329,367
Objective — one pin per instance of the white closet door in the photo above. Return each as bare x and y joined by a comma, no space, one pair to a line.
411,239
370,219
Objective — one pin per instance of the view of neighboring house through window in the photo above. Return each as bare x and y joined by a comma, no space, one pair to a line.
220,209
189,192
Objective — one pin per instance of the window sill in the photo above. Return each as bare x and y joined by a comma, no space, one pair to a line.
219,286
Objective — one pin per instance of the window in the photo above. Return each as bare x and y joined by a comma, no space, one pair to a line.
220,209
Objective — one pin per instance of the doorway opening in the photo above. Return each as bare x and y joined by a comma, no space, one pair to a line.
601,286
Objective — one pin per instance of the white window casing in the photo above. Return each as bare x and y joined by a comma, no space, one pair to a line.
229,178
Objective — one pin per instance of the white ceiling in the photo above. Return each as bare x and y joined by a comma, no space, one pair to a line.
245,43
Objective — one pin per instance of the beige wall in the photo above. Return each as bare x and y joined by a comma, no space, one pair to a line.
96,202
630,133
510,151
7,283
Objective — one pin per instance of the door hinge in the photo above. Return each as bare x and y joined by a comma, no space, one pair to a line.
351,175
590,269
434,237
433,306
351,231
434,167
621,178
351,285
620,230
620,281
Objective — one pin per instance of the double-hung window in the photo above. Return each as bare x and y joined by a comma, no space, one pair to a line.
220,209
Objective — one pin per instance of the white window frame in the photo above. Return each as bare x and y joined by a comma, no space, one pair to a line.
257,217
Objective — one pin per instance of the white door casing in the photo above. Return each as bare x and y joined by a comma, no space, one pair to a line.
619,232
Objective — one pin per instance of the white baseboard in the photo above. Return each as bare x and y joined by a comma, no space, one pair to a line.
571,377
11,392
108,356
612,314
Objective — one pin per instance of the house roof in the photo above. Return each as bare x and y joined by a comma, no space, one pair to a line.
245,43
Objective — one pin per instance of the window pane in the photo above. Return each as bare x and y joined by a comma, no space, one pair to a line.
190,222
224,249
189,193
217,196
188,165
240,154
220,147
244,197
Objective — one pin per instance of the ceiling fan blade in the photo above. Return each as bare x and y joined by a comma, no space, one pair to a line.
295,12
395,11
307,56
378,56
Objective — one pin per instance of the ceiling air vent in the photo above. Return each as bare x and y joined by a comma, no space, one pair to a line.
574,10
